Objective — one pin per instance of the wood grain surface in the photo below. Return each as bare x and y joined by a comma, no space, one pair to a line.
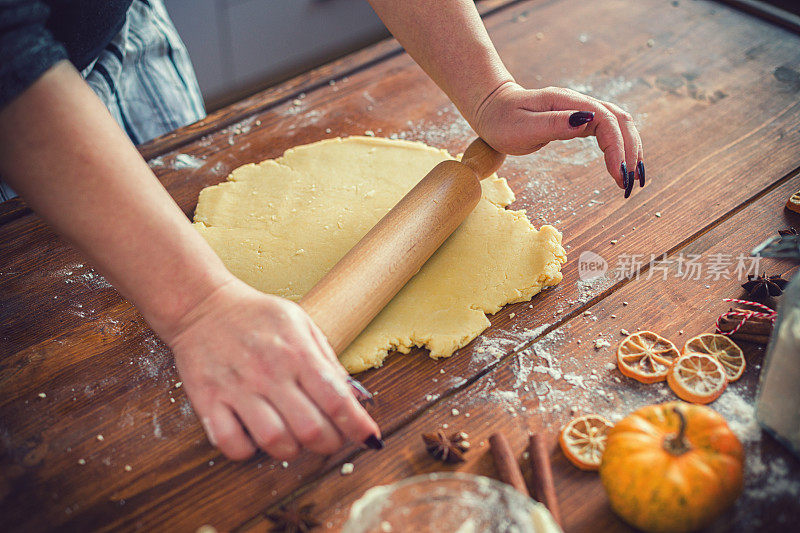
717,99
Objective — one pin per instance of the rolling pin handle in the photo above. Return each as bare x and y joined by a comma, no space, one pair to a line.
482,158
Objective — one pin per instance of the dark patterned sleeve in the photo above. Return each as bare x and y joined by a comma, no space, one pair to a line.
27,49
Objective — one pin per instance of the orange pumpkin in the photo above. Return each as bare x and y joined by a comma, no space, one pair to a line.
672,467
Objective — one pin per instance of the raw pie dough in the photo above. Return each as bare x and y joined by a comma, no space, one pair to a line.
281,224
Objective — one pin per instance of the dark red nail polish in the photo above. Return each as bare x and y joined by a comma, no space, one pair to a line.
580,118
629,186
624,169
640,168
374,442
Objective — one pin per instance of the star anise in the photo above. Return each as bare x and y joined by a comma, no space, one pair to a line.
762,286
786,232
448,449
292,519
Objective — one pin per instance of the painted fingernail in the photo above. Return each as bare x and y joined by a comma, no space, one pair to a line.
624,169
361,392
210,434
580,118
629,187
640,167
374,442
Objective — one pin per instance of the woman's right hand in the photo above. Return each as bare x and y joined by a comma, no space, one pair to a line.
260,374
518,121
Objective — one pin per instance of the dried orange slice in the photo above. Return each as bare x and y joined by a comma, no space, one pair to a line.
583,440
721,348
793,203
697,378
646,356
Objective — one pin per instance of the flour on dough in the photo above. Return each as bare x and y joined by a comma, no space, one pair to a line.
282,224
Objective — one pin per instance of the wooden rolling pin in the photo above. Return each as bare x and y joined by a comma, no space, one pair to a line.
349,296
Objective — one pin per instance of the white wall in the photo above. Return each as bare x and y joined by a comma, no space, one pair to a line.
236,45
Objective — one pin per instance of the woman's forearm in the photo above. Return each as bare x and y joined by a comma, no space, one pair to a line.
449,41
63,152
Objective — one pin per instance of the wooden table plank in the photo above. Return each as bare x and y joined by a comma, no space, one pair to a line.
529,393
699,144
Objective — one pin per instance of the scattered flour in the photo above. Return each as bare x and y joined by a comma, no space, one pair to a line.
157,427
589,288
186,409
452,132
740,415
525,367
307,119
155,361
183,161
608,89
220,169
84,275
244,126
234,130
490,349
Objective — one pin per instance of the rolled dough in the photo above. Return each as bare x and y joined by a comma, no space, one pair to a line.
280,225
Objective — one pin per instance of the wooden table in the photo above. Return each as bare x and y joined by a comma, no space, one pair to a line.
716,94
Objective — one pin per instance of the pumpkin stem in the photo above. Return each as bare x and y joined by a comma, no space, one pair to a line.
677,444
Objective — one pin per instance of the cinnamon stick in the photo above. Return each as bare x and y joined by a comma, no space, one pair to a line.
747,327
754,329
758,339
506,463
753,325
544,489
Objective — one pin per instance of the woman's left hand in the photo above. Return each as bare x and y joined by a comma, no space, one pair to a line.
518,121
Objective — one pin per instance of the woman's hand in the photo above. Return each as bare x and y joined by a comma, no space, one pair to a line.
260,374
518,121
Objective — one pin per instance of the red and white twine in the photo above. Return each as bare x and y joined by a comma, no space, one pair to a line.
746,314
